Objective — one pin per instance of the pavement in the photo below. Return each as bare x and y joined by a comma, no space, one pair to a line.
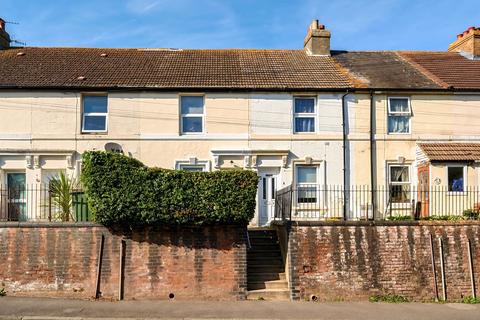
58,309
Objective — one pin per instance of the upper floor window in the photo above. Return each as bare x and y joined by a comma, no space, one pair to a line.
94,113
192,114
304,114
399,114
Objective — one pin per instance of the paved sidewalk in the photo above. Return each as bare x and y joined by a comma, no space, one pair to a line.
43,308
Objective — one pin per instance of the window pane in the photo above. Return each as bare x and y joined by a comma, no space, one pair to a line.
455,178
304,124
95,104
191,168
192,124
400,193
399,174
16,185
304,105
399,105
307,175
95,123
192,105
398,124
307,194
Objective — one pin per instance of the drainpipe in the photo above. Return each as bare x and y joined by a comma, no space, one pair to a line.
372,156
344,146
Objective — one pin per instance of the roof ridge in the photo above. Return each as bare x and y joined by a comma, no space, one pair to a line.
158,49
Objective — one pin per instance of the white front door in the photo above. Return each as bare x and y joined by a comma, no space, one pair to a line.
266,196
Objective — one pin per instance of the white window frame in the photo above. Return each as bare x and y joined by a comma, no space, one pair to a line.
191,115
305,115
98,114
408,114
456,165
316,184
205,164
391,183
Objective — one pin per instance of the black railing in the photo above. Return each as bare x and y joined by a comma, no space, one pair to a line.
322,202
38,203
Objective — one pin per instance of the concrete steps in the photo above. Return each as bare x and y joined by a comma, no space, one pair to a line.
265,267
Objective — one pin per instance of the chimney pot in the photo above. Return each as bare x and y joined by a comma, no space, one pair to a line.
317,41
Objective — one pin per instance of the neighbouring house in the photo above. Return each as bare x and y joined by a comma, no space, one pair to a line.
349,134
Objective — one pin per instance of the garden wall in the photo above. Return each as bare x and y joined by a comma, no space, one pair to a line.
354,260
61,260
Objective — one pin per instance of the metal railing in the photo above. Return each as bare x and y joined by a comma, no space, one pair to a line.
323,202
36,202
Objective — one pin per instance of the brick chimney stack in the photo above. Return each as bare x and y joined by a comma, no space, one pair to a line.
317,41
467,43
4,36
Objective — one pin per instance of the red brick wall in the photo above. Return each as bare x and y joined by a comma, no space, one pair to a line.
61,260
346,262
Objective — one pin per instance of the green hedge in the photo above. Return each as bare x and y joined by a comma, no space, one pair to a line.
121,190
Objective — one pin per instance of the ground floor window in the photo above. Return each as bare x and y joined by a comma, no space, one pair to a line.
16,197
456,178
307,184
399,183
192,167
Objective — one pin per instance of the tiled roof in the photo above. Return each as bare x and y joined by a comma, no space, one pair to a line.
450,68
382,70
451,151
242,69
35,67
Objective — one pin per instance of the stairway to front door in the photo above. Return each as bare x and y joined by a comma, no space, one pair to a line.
266,270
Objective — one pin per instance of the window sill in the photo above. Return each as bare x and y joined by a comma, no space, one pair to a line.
94,133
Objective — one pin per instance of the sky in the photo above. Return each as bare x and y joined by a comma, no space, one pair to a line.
276,24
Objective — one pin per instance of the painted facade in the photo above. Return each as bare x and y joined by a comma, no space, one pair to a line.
313,138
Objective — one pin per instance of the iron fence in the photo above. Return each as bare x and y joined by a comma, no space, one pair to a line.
37,202
317,202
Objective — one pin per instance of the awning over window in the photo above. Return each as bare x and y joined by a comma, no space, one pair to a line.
451,151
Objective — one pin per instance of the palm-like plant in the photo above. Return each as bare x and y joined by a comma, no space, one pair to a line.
61,189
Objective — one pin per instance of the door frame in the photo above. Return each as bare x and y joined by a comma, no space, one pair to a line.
262,172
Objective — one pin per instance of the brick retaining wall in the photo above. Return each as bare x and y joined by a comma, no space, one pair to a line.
61,260
346,261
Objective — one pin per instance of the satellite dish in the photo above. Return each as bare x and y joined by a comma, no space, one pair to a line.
113,147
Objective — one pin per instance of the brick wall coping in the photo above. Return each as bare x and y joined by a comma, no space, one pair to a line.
379,223
39,224
33,224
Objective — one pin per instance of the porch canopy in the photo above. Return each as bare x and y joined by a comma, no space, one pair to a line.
446,151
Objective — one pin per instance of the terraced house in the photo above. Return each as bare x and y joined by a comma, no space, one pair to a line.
332,134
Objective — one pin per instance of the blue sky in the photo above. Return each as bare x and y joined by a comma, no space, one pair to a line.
355,25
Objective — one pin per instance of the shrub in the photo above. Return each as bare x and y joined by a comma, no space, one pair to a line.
472,214
121,190
447,217
470,300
